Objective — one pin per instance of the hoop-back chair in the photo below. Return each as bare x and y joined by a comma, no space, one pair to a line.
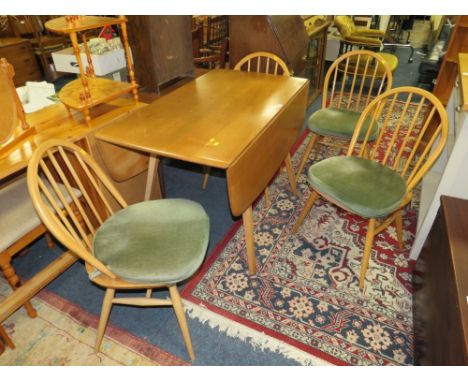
351,83
264,62
376,185
147,245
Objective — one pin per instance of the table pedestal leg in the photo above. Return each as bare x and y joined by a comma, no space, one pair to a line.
247,218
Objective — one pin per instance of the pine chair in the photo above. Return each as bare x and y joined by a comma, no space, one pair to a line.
355,79
264,62
147,245
19,223
377,185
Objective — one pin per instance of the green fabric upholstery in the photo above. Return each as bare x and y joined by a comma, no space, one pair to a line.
157,241
340,123
363,186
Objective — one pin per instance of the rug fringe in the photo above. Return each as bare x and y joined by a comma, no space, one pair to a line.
255,338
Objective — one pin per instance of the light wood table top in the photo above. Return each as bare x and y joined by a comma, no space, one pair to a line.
209,121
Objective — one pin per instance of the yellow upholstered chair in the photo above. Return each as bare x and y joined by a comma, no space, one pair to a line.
362,38
147,245
351,83
376,186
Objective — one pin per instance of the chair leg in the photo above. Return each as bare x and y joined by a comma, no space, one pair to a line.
105,311
313,196
179,311
206,176
49,240
266,193
399,228
367,252
291,176
6,338
15,282
149,293
307,151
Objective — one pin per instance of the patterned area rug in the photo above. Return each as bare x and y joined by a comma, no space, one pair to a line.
64,334
304,301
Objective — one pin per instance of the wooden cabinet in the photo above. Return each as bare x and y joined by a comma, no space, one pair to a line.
303,50
161,49
441,294
20,54
284,36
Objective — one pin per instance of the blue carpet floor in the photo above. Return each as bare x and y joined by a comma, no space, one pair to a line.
158,325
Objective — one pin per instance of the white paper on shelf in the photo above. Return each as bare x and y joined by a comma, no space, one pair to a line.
34,95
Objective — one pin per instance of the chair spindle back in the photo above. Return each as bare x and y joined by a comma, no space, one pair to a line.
69,191
404,115
356,78
263,62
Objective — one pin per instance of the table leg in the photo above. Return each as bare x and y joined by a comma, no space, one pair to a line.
247,218
153,177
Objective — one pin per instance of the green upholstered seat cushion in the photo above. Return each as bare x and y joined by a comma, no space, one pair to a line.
157,241
360,185
340,123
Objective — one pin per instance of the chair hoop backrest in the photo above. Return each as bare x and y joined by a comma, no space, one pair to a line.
11,110
364,75
263,62
404,115
74,203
